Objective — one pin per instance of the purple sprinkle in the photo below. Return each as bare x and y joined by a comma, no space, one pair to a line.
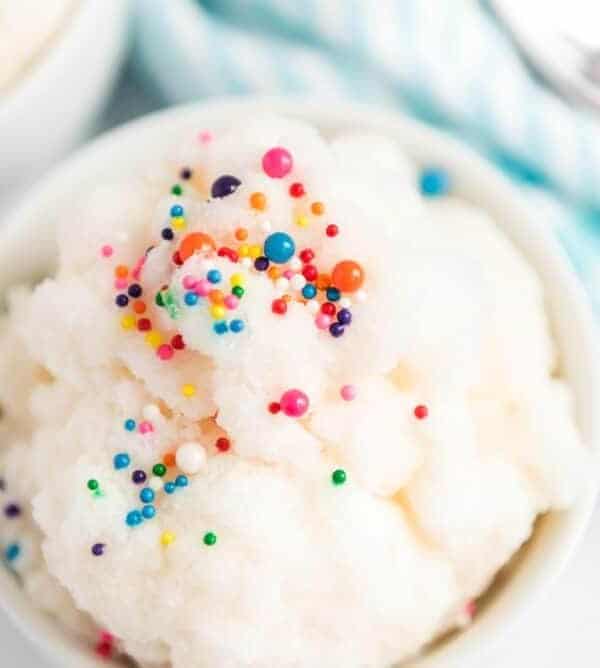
98,549
12,510
138,477
336,329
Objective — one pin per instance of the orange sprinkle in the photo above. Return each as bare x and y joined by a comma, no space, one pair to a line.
196,241
287,298
323,281
258,201
216,297
318,208
274,272
241,234
169,459
121,271
139,307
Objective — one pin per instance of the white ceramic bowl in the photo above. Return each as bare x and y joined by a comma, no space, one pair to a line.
47,112
27,249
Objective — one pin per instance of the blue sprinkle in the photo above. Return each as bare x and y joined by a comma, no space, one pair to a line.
191,298
148,512
214,276
169,487
121,461
181,481
279,247
12,552
147,495
134,518
309,291
236,326
434,182
333,294
176,211
220,327
129,424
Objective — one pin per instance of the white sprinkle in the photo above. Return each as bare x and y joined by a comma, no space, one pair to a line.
297,282
345,302
361,296
190,457
266,226
295,263
246,262
312,305
155,483
282,283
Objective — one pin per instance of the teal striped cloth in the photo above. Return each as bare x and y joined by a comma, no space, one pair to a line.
446,62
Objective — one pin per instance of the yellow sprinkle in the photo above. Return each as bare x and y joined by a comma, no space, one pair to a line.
302,221
217,311
255,251
244,250
128,322
178,223
237,279
188,390
153,339
167,538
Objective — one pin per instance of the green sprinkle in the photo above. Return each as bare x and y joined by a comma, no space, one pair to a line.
238,291
338,477
210,538
159,299
159,470
171,305
92,485
177,189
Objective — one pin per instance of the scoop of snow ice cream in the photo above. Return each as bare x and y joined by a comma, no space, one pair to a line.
275,408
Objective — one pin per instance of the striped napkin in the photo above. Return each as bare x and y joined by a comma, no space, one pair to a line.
446,62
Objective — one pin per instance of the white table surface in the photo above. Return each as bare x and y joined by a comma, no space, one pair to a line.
562,631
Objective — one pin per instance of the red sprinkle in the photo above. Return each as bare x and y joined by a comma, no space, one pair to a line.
274,407
297,190
144,324
104,649
177,259
307,255
225,251
165,352
279,306
223,444
332,230
177,342
310,272
328,308
421,412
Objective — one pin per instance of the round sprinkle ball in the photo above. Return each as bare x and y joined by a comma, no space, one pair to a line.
182,481
338,477
190,457
148,512
222,444
309,291
138,477
348,392
279,306
297,190
294,403
191,298
121,461
225,185
106,250
176,211
434,182
348,276
195,242
236,326
169,487
277,162
332,230
98,549
12,552
344,316
167,538
279,247
147,495
274,407
209,539
12,510
134,518
188,390
165,352
93,485
421,412
214,276
159,470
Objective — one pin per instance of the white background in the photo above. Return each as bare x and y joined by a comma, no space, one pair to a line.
561,631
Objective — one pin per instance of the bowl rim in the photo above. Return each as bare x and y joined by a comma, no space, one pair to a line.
47,64
23,226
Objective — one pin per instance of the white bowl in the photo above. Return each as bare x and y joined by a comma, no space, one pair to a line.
47,112
27,248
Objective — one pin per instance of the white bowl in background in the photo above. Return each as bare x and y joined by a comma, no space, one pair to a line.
27,250
51,107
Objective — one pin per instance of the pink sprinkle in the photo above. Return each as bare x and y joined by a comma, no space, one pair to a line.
104,650
121,283
189,282
106,250
231,302
202,288
165,351
107,637
471,608
322,321
205,137
277,162
146,427
348,392
288,273
137,270
294,403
